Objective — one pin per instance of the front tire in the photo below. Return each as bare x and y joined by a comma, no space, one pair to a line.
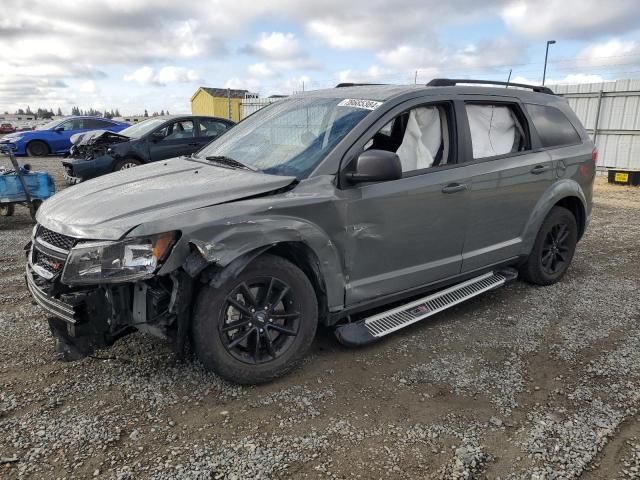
126,163
258,325
553,249
37,148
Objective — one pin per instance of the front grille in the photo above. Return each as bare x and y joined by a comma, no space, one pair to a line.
51,264
56,239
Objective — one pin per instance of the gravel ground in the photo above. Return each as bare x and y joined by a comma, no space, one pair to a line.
521,383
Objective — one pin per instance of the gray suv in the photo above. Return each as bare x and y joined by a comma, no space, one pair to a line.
363,207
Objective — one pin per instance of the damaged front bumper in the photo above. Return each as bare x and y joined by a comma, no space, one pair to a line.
80,169
84,319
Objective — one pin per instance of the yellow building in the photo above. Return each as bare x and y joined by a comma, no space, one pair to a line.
218,102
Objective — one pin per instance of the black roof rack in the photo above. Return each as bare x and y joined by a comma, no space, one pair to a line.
452,82
348,84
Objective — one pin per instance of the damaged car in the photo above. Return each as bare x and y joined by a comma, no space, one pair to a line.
96,153
364,208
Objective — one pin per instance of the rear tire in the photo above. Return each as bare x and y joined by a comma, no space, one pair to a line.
36,148
553,249
258,325
126,163
7,210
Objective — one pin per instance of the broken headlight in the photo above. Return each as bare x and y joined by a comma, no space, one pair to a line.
121,261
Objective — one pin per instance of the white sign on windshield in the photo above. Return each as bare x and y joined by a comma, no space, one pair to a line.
359,103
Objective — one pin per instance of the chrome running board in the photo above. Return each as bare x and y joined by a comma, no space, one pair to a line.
381,324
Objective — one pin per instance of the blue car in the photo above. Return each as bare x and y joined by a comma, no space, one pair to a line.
54,137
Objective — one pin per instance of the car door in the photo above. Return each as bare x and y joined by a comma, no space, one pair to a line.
61,136
410,232
507,180
173,140
209,129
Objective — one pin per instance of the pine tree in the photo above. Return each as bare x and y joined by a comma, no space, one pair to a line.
59,112
162,113
146,114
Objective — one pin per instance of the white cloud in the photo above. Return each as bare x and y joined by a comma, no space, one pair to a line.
546,19
485,56
408,57
260,70
251,84
608,54
166,75
280,53
89,87
372,74
278,46
573,78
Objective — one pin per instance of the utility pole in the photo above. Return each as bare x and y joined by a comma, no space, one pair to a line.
546,55
415,78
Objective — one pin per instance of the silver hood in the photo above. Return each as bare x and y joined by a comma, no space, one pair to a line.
110,206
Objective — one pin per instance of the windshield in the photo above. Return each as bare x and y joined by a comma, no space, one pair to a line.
289,137
49,125
140,129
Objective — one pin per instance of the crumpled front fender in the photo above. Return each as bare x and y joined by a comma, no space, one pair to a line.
244,237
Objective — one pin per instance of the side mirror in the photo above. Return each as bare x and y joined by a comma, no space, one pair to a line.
375,166
58,129
157,136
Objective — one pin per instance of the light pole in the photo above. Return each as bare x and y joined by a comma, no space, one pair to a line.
546,55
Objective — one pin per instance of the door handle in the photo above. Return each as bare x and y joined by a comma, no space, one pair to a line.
454,187
194,144
538,169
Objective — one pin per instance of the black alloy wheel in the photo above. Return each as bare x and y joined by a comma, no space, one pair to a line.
555,249
259,321
257,325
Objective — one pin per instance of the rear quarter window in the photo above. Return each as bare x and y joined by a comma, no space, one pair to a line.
553,127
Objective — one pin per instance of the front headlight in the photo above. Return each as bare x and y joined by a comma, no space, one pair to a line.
107,262
11,139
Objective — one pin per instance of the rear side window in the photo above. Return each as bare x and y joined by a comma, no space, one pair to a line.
553,127
496,129
94,123
211,128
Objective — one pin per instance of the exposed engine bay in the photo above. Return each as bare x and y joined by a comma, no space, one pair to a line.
93,144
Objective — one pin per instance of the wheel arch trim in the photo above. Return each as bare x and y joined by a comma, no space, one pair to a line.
291,238
564,193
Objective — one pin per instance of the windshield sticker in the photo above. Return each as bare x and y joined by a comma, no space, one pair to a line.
358,103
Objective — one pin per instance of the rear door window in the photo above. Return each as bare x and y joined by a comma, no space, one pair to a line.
496,129
211,128
97,124
75,124
553,127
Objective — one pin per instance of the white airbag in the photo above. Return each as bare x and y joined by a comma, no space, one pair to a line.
421,140
492,128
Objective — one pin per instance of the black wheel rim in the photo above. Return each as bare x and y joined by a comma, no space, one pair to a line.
260,320
555,249
38,149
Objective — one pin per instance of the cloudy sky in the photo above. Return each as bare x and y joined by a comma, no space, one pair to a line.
137,54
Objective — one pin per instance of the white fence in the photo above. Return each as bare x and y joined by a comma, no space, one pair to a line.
251,104
610,111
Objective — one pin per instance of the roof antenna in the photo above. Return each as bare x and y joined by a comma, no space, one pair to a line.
508,78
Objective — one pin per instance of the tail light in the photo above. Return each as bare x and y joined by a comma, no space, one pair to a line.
594,156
